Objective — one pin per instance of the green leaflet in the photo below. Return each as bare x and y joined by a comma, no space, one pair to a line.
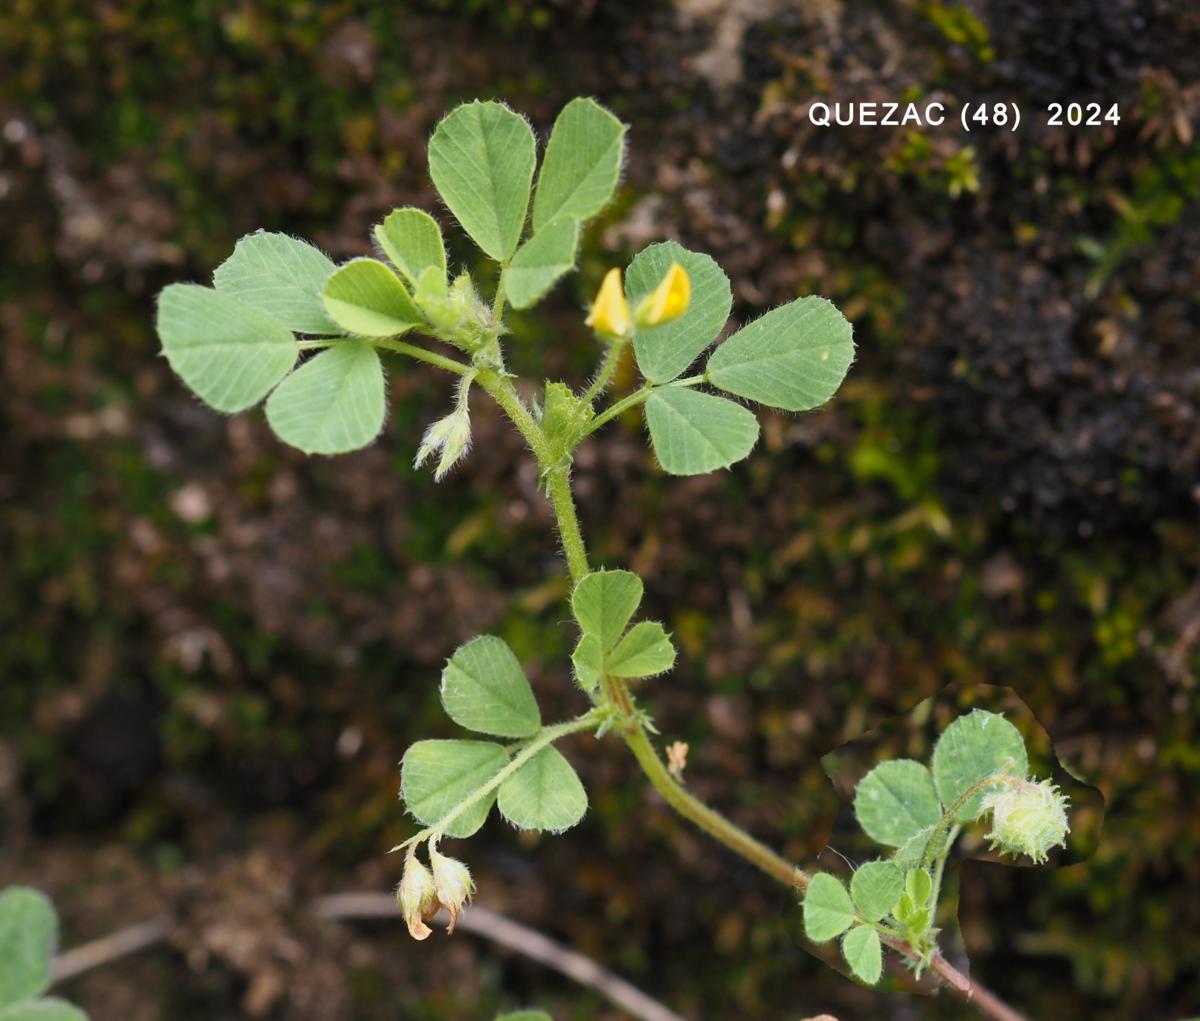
875,888
913,849
604,602
896,800
794,357
582,163
663,352
974,747
694,433
28,939
918,885
864,953
333,403
42,1010
828,910
484,689
525,1015
544,794
435,776
367,298
644,652
281,277
481,159
229,354
412,240
588,661
539,262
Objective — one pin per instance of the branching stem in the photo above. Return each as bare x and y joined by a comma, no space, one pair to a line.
617,697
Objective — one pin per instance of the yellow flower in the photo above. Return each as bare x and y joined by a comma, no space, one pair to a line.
669,300
610,313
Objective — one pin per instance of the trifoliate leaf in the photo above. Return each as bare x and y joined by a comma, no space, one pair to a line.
484,689
333,403
544,794
828,910
412,240
228,353
282,278
663,352
644,652
582,163
367,298
974,747
481,159
794,357
604,602
545,257
694,433
864,953
28,938
436,776
895,800
875,888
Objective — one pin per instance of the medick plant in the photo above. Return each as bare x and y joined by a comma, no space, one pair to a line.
979,767
282,322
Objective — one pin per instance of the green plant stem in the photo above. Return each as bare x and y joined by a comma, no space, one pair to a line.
941,868
634,399
505,394
419,353
638,740
937,838
498,302
612,359
558,485
709,820
547,735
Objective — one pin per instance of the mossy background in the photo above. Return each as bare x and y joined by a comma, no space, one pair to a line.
214,652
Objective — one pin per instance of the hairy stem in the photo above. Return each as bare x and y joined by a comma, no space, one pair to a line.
612,359
941,868
400,347
505,394
937,839
638,740
709,820
634,399
558,485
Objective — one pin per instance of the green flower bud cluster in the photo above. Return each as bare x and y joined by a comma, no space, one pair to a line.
449,436
1028,817
421,892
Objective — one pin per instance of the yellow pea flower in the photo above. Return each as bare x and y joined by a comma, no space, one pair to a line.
610,314
669,300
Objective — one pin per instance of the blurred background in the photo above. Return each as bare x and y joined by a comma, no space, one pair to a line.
213,652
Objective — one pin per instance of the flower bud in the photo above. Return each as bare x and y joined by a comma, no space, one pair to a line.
452,882
417,896
450,435
668,301
1027,818
610,313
